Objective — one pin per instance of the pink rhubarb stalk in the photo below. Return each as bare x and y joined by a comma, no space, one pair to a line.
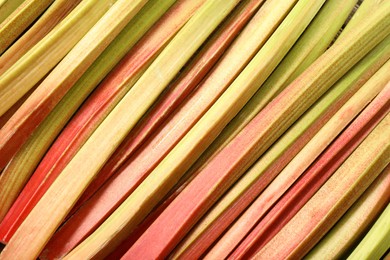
239,197
313,178
176,94
68,187
333,199
351,228
93,212
232,161
95,109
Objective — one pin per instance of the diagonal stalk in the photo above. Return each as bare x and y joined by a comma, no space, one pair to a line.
27,159
376,242
355,223
121,185
19,20
49,19
316,175
334,198
64,192
7,7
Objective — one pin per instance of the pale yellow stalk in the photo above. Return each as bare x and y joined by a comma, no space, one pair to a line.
50,18
351,82
352,226
310,46
328,204
156,185
61,196
23,164
19,20
40,59
277,187
328,132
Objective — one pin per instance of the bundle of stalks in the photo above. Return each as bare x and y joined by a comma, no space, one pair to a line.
180,129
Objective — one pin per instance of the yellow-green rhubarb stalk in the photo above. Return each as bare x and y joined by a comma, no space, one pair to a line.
19,20
49,19
355,223
67,188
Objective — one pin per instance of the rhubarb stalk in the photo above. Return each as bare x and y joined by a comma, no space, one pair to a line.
50,18
19,20
355,223
27,159
177,93
239,197
64,192
327,205
376,242
312,44
122,184
311,180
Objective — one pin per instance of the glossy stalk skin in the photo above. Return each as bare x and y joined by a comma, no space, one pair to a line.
318,173
49,19
176,94
33,66
121,185
19,20
68,187
61,151
376,242
333,199
340,240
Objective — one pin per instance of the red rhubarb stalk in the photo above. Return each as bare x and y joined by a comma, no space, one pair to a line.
239,197
36,63
176,94
97,106
343,237
333,199
232,161
117,189
314,177
68,187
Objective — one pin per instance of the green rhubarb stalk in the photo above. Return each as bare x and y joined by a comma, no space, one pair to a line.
7,7
288,205
170,106
19,20
376,242
333,199
64,76
354,224
63,193
172,167
311,45
365,8
40,59
279,154
23,164
54,15
283,181
124,182
328,132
